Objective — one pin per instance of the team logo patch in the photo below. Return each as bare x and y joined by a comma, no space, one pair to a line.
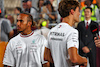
59,26
33,41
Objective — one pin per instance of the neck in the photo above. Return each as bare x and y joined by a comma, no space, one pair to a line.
26,32
68,20
87,19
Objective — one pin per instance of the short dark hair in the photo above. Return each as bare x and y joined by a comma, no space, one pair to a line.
46,2
29,18
88,8
91,1
38,3
65,7
25,1
19,9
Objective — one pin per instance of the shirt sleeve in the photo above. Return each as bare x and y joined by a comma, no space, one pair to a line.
47,45
8,57
72,40
44,42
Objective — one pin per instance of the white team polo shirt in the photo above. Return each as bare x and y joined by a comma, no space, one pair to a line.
25,51
60,39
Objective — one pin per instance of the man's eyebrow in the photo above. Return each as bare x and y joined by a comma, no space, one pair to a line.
19,20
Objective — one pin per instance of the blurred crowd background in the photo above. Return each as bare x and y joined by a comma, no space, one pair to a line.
46,9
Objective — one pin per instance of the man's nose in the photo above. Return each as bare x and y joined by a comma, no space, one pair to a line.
18,22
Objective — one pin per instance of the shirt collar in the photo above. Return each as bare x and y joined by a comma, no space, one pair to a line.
43,27
89,21
27,35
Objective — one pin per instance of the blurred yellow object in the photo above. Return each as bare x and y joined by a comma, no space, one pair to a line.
2,51
44,23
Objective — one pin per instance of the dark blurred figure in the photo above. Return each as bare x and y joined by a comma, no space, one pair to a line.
6,32
25,7
11,18
54,3
51,1
87,46
32,10
13,25
17,10
48,12
40,4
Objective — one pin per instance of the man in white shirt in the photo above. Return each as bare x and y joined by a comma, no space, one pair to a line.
6,32
27,48
62,48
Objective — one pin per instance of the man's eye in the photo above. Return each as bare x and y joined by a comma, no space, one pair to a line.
17,20
21,20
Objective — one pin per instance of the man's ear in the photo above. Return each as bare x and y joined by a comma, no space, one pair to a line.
91,13
72,11
29,23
